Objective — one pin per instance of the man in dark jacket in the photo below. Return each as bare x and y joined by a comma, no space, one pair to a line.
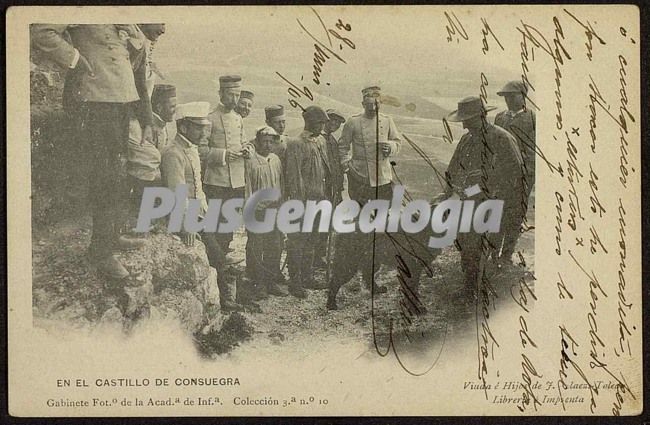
333,179
486,156
519,121
305,180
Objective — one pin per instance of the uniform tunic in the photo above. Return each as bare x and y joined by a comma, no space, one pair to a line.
227,133
144,157
522,126
104,102
358,148
181,165
104,48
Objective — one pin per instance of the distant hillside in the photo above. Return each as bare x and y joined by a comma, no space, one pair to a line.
420,121
203,85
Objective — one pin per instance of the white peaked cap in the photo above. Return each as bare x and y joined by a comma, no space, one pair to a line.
195,110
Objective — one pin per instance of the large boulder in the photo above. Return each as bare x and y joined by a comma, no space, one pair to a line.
171,279
168,280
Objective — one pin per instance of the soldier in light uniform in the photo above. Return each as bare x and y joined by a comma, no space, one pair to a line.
361,150
181,165
223,155
305,181
365,154
104,94
152,33
520,122
144,156
163,104
486,156
245,103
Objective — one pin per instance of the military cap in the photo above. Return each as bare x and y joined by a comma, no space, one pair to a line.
266,131
229,81
513,87
245,94
469,107
274,111
333,113
194,111
162,91
372,91
315,113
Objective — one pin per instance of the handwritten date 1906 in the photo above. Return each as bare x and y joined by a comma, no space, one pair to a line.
324,50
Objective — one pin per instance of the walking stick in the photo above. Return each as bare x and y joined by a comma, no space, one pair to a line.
328,258
330,243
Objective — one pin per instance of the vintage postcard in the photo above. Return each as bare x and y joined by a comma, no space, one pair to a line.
324,211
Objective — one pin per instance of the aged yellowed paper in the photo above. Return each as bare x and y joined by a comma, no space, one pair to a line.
503,141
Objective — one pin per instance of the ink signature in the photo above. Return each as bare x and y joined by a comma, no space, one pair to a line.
324,50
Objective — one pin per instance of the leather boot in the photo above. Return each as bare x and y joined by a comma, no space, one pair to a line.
227,292
111,267
331,300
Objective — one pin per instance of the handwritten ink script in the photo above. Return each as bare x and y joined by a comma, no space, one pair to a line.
329,43
590,111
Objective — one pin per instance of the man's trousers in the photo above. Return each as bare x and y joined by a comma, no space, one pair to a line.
263,252
223,193
105,129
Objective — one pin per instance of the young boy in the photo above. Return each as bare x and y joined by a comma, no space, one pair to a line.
263,250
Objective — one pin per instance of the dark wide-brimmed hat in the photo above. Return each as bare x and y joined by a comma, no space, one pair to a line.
513,87
469,107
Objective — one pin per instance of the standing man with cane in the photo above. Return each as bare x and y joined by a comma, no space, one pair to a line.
367,143
333,183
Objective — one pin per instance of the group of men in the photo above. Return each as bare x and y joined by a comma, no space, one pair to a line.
124,120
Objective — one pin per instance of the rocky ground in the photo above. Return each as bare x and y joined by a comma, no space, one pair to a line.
172,282
68,294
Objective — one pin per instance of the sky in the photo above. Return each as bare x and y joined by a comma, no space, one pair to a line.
402,49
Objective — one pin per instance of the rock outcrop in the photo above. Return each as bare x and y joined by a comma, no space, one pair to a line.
168,281
172,280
